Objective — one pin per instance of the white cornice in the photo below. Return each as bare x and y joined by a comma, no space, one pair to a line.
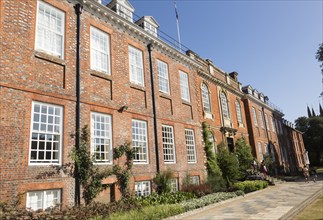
134,30
221,83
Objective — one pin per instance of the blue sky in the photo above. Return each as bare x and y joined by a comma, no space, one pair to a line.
271,44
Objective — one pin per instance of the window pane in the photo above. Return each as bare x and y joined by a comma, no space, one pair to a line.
190,146
50,29
139,141
163,77
42,140
205,98
185,92
136,66
100,51
101,142
168,144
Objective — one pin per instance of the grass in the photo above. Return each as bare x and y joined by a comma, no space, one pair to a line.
313,211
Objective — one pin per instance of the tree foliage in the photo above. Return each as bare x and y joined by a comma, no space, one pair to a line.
313,137
229,164
319,56
244,154
212,165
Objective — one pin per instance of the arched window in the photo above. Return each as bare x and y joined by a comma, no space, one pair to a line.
205,98
238,109
224,105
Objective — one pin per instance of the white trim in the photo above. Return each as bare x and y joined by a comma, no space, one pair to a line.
146,136
185,86
42,48
173,145
43,198
190,145
61,128
106,37
108,161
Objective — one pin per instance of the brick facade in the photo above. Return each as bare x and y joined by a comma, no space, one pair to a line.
30,75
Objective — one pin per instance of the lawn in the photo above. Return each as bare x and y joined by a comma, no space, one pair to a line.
313,211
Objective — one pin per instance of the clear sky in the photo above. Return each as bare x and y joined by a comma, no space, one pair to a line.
271,44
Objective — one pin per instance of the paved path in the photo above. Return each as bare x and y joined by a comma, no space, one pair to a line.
276,202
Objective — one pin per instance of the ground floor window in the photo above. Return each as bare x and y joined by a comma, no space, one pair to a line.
194,180
43,199
174,185
142,188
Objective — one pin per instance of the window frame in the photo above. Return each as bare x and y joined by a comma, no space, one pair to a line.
261,154
239,112
255,117
267,122
195,180
41,41
44,198
169,146
108,123
185,88
163,78
205,93
145,135
261,119
54,124
224,105
140,183
174,185
137,63
190,146
106,37
272,124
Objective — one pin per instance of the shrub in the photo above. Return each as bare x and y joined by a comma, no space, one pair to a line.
164,198
213,168
163,181
229,164
250,186
198,190
245,158
207,200
149,212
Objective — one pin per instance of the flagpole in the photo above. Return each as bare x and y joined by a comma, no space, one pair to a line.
178,34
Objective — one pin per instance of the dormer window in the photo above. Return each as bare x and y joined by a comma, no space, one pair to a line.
125,13
122,8
150,29
149,24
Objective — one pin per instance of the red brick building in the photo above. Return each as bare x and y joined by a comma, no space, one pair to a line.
66,65
221,103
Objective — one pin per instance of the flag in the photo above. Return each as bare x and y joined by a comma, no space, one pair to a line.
176,10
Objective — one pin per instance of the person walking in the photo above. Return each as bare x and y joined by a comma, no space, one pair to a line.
306,174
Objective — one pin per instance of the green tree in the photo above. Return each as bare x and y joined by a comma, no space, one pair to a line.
313,137
229,164
319,56
268,160
244,154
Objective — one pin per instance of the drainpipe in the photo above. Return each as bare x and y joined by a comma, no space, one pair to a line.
78,11
154,105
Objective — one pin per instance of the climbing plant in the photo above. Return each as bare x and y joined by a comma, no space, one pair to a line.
90,176
122,172
211,164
